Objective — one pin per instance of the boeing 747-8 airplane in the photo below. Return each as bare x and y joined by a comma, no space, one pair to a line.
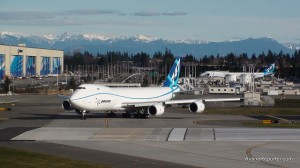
137,101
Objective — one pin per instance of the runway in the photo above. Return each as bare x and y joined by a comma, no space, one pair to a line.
192,146
176,139
229,147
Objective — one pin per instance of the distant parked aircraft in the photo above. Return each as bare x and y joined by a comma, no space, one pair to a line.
222,74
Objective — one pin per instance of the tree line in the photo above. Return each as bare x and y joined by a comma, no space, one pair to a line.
286,65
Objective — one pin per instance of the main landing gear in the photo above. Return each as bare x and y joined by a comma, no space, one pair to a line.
136,114
128,114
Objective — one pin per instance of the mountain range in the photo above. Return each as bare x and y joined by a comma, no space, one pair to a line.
135,44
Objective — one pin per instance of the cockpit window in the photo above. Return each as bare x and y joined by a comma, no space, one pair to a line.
81,87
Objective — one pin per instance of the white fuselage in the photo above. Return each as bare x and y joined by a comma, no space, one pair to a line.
91,97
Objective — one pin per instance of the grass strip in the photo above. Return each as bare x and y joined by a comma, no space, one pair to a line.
11,158
273,125
252,110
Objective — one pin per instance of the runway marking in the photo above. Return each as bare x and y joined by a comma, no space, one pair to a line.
249,154
177,134
186,130
169,134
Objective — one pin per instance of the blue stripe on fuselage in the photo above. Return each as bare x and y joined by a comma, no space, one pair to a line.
146,98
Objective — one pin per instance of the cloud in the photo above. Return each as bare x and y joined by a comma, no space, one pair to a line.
175,13
92,12
76,17
154,13
44,15
26,15
36,15
147,13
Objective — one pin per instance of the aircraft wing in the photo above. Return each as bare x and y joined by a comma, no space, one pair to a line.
181,101
187,101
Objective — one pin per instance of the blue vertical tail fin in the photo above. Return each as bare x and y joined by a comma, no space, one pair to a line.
270,69
173,76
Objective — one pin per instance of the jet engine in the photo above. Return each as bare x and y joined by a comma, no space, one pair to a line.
156,109
197,107
66,105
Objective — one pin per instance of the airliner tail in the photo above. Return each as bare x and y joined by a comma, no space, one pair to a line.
173,76
270,69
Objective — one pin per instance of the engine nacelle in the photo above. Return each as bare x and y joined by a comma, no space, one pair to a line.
156,109
66,105
197,107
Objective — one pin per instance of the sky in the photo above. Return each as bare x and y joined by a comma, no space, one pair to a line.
206,20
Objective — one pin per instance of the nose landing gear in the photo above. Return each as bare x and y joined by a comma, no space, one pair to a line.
83,117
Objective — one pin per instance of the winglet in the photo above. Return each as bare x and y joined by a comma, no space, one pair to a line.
173,76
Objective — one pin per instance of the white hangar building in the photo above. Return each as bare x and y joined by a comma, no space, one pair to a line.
19,61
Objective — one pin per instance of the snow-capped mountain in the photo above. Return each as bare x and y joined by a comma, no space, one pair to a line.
292,46
49,36
134,44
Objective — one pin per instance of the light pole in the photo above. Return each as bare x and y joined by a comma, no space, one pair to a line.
251,71
92,73
98,73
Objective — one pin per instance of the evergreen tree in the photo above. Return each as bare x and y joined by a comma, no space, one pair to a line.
72,84
145,82
6,84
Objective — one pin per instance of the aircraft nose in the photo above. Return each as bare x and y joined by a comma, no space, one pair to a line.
74,100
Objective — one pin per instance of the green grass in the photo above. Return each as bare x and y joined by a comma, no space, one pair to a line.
287,102
10,157
273,125
252,110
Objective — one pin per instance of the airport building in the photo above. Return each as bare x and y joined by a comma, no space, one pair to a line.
20,61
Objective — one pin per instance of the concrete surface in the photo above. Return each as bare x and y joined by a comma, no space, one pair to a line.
176,139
